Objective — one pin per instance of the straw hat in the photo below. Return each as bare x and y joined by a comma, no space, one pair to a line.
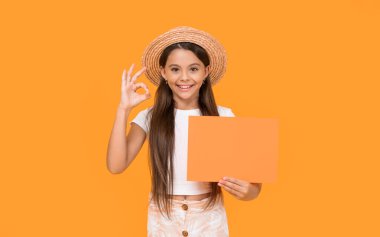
215,51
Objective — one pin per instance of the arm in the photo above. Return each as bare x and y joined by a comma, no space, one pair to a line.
123,149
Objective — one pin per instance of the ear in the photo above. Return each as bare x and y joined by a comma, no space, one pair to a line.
162,70
207,70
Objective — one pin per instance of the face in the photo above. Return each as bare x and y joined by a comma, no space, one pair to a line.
184,73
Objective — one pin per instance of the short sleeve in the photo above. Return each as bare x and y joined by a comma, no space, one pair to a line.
229,113
226,112
142,120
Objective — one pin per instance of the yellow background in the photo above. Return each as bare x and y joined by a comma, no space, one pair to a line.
312,64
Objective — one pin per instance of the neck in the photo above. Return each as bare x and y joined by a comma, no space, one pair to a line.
185,105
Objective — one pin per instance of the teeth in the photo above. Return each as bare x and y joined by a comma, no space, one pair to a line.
184,87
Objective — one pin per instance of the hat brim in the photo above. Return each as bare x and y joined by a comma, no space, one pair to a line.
215,51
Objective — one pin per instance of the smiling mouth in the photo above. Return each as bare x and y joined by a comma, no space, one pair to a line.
184,87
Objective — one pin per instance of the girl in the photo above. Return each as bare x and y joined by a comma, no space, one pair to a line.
184,63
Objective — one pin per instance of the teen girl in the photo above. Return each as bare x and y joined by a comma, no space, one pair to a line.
184,63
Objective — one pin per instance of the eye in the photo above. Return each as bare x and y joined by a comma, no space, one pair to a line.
192,69
174,69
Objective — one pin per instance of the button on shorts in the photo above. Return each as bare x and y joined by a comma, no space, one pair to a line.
188,219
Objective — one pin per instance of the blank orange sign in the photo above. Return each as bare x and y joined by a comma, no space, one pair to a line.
240,147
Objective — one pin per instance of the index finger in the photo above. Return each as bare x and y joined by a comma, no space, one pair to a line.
138,74
235,181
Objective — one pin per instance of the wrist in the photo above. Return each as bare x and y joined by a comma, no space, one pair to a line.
124,108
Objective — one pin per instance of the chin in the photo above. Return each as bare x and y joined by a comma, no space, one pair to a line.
185,97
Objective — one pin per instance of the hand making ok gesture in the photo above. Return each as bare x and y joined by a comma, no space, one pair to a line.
129,97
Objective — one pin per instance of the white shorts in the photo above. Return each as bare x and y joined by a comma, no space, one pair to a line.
188,219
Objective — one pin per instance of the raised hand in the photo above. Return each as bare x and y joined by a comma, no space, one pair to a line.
129,97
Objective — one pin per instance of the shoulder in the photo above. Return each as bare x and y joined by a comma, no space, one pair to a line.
143,114
225,111
145,111
143,119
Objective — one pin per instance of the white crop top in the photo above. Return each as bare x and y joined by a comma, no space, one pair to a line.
180,184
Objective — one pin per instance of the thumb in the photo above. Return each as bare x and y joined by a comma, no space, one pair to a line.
146,95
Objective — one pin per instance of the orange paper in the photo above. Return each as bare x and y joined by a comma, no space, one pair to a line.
240,147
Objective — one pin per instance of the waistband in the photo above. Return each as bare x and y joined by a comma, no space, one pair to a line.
191,203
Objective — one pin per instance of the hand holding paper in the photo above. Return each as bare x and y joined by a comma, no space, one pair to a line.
240,189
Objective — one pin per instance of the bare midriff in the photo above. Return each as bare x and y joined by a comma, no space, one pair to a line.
191,197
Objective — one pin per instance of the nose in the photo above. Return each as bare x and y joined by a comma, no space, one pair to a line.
184,76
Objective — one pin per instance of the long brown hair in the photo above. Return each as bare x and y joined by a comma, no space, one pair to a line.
162,135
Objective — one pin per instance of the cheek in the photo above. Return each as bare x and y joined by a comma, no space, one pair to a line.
171,74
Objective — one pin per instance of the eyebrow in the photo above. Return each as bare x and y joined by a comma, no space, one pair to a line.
171,65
